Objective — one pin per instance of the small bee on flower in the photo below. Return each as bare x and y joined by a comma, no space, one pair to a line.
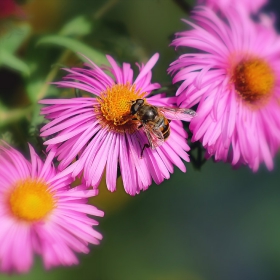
154,120
107,130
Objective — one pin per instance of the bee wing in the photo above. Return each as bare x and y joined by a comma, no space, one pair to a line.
155,136
177,113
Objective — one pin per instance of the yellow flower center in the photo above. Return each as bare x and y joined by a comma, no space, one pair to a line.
253,80
114,107
31,200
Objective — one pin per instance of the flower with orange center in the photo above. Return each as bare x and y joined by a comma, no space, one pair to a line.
40,213
102,132
235,80
253,80
114,108
31,200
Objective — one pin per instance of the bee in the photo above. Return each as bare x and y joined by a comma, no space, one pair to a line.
155,120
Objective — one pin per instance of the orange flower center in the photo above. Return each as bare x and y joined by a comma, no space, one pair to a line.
31,200
114,107
253,80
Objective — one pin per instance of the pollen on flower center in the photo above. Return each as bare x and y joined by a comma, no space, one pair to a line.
31,200
114,107
253,79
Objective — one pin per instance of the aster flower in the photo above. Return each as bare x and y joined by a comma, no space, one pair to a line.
40,214
247,5
101,130
235,78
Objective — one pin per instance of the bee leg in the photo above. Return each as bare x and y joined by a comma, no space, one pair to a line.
140,126
145,146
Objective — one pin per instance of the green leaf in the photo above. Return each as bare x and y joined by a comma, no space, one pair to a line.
7,137
79,26
11,61
37,119
76,46
13,39
8,115
33,87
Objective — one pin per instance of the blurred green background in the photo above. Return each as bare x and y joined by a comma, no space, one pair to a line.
215,223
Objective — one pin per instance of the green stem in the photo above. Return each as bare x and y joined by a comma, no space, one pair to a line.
8,116
104,9
52,74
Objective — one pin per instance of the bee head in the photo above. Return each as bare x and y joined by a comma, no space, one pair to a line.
135,105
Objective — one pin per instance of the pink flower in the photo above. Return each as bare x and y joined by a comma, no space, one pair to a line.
104,134
235,78
40,213
247,5
9,8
